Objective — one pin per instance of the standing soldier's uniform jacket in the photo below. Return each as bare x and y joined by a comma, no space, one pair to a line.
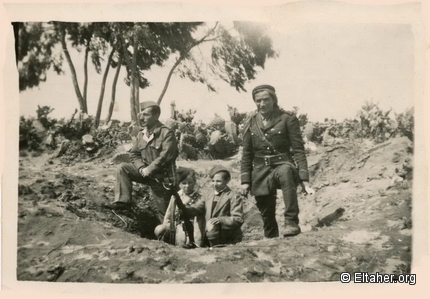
157,153
260,156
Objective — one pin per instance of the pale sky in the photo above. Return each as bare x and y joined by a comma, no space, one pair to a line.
326,69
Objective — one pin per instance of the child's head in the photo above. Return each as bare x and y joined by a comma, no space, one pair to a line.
220,177
187,180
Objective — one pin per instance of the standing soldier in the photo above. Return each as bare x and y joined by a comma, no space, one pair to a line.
267,163
153,161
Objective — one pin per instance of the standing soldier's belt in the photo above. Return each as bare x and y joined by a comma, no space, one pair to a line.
272,159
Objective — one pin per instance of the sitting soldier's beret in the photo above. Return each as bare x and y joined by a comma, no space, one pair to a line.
147,104
217,169
263,87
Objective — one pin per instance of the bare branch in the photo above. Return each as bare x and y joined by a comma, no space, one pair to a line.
179,60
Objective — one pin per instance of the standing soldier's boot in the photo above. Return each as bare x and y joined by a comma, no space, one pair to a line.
291,228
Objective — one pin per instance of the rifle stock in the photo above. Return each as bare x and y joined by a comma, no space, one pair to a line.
172,239
187,224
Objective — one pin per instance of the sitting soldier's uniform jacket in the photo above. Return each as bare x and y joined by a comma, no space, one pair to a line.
260,157
157,152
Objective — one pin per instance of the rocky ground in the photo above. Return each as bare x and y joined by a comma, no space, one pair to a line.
359,219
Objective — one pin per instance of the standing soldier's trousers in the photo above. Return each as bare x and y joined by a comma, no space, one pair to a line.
282,177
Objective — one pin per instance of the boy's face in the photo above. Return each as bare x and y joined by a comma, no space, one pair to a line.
219,182
187,186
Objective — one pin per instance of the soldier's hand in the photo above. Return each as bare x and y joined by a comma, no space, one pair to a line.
307,189
214,221
244,189
143,171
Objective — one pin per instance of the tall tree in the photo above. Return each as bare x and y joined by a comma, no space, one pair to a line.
36,45
117,65
87,51
61,28
145,45
184,49
95,39
235,54
35,53
102,89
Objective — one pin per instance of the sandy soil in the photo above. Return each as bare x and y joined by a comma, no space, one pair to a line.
358,220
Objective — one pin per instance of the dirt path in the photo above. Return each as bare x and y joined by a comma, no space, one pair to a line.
358,220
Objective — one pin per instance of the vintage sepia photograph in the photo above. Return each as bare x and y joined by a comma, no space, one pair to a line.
277,144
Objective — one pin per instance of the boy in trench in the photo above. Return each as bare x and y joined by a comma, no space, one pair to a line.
192,199
223,210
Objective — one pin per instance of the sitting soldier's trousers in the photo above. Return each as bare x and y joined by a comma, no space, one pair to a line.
282,177
126,174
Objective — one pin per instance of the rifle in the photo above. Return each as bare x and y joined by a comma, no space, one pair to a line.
187,225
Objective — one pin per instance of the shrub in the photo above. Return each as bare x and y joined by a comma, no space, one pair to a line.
375,123
75,128
318,132
195,138
28,136
405,123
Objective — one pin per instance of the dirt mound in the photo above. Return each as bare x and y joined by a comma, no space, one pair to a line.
358,220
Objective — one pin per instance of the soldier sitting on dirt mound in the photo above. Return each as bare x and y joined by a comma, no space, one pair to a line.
153,161
223,210
267,164
172,228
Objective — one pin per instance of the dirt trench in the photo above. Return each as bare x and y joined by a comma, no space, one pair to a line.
358,220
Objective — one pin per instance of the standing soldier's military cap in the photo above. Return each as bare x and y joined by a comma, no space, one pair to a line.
265,87
261,87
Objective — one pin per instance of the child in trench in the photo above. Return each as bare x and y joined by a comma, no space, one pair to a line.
172,226
223,210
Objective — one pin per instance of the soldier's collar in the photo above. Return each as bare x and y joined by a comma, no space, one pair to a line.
268,117
275,111
155,129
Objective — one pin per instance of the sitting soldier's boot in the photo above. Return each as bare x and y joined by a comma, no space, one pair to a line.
117,206
214,242
189,246
291,228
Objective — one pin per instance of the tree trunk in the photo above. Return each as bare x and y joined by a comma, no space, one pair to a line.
84,91
115,81
166,85
133,107
81,101
130,67
136,92
102,90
